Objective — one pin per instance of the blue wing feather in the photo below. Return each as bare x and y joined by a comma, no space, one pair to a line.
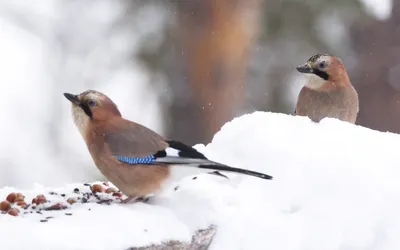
136,160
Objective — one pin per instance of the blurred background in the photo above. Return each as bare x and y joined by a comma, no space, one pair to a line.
180,67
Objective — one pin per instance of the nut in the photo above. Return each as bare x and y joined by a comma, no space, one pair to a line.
13,211
22,204
97,188
111,190
20,197
41,199
57,206
117,194
5,206
71,201
11,197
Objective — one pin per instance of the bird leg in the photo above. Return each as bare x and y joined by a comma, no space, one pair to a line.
134,199
130,199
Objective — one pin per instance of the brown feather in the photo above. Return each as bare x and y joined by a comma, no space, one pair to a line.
334,98
340,103
138,180
126,138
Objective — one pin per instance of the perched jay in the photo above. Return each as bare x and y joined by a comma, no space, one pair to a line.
328,91
134,158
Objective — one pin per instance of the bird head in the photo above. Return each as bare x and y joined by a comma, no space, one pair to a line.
322,68
91,106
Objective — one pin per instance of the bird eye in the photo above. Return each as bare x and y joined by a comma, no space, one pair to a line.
91,103
323,64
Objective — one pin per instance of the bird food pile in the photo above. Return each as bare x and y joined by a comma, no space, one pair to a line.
16,204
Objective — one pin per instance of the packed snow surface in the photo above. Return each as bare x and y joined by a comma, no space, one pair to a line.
336,187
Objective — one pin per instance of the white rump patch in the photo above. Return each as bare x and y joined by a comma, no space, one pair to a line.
172,152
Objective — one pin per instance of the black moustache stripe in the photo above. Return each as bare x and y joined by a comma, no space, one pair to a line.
87,110
321,74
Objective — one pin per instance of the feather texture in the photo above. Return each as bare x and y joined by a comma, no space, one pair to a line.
136,160
134,144
126,138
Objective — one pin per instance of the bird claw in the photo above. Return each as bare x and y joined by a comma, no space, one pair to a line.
134,199
130,199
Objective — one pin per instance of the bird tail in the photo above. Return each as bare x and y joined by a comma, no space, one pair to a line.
220,167
207,164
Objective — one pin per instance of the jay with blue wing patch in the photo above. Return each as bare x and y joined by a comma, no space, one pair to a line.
134,158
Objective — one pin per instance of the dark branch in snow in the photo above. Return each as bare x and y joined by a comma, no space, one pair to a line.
200,241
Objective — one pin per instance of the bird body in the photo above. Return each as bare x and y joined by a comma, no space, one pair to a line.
328,91
108,142
133,157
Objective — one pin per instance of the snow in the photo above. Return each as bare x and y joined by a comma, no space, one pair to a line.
335,187
46,50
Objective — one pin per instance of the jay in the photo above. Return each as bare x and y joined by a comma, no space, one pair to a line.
133,157
328,91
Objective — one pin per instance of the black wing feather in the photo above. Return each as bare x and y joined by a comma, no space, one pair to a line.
186,151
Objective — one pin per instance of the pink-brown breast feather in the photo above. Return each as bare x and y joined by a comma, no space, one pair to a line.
339,102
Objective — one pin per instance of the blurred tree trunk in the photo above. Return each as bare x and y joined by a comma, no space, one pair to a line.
378,73
215,38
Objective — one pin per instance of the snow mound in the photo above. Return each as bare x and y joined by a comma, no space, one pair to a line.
335,184
335,187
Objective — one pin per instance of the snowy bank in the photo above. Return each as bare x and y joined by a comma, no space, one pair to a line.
335,187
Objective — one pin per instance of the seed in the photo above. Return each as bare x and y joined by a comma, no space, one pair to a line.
20,197
11,197
5,206
40,199
111,190
13,211
117,194
97,188
22,204
71,201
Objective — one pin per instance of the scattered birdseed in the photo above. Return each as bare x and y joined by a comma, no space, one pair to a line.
108,202
43,220
176,188
87,184
57,206
49,217
194,178
69,214
76,190
63,195
38,212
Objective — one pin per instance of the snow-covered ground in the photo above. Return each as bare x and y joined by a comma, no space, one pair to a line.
335,187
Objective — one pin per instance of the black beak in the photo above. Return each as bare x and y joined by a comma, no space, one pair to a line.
72,98
305,69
